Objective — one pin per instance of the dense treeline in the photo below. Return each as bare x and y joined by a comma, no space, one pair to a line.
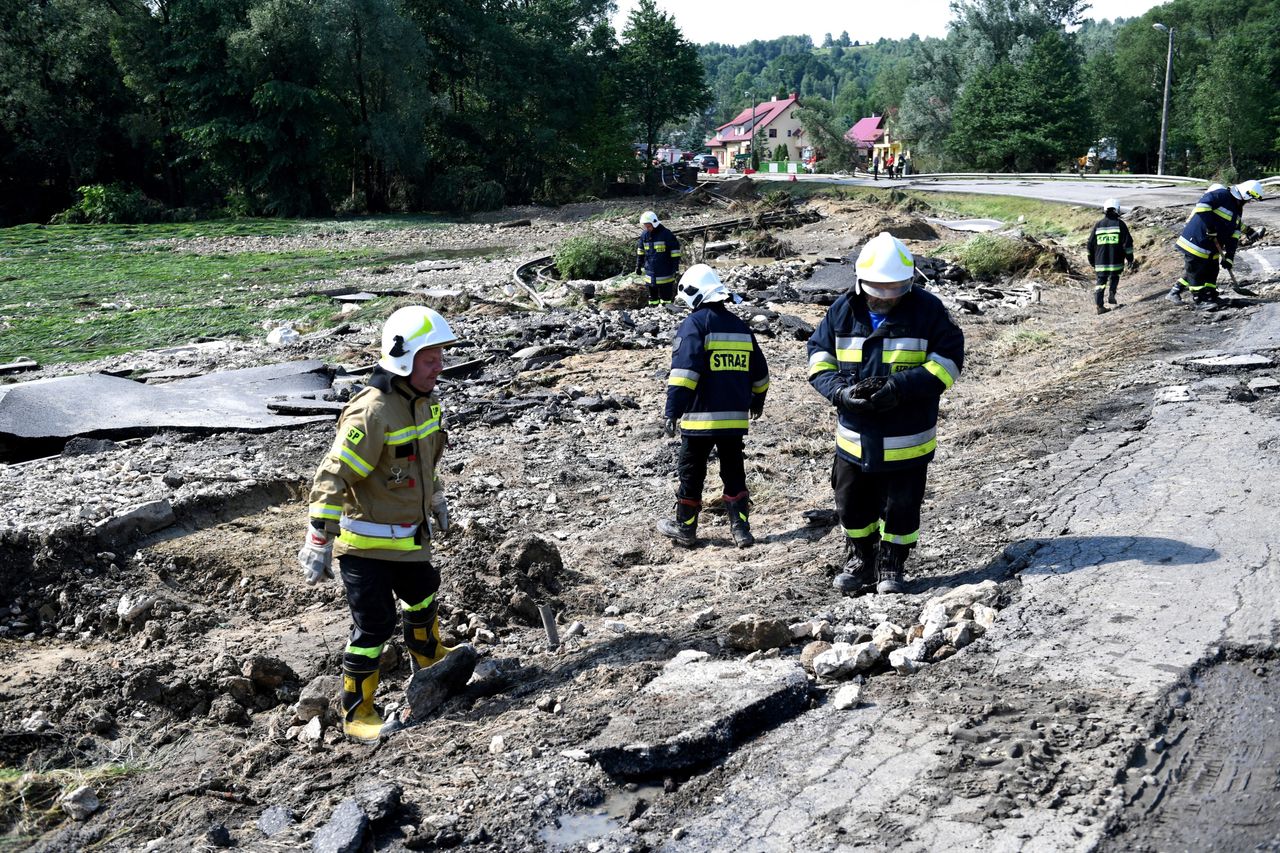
302,107
1023,85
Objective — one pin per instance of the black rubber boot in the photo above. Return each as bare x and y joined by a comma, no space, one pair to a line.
683,529
1111,295
858,574
1175,294
739,524
889,562
1098,293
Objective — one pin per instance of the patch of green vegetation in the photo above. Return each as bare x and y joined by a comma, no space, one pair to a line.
593,258
987,255
1020,341
76,293
29,799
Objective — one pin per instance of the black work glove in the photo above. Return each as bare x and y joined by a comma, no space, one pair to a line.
757,409
639,268
848,400
866,387
884,399
669,428
1133,265
1228,263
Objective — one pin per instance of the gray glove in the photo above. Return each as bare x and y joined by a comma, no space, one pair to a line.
440,512
316,556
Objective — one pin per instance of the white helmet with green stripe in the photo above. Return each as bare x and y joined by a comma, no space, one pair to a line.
408,330
885,267
1248,191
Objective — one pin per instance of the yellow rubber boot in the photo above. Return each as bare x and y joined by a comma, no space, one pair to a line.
360,719
422,634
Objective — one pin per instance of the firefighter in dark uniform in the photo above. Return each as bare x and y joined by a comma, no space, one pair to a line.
376,493
1209,239
883,356
658,258
717,384
1110,247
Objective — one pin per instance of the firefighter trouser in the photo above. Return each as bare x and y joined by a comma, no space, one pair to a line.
662,292
372,588
1105,279
884,504
694,452
1199,273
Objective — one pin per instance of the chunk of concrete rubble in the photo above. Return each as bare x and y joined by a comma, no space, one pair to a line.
378,798
962,633
848,696
704,617
81,803
131,608
750,633
888,636
902,662
1229,363
1175,394
18,365
312,732
275,820
431,687
1264,383
844,660
139,520
934,618
685,657
316,697
962,597
692,716
985,616
345,830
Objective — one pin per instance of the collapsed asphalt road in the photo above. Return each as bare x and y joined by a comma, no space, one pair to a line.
1089,495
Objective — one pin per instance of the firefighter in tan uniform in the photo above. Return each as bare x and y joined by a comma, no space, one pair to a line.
377,493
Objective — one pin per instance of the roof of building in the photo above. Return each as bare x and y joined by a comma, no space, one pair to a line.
765,112
866,132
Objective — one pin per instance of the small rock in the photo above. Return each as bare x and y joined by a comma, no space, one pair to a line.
345,831
703,618
275,820
316,696
218,836
942,653
312,732
379,799
985,616
267,671
811,651
81,803
751,633
226,710
888,636
847,697
959,635
576,629
102,722
497,745
685,657
843,660
902,663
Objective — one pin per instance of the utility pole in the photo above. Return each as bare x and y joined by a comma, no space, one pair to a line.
1164,115
752,97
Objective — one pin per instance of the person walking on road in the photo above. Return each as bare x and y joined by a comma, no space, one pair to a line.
1209,239
717,384
658,258
1110,248
883,355
378,493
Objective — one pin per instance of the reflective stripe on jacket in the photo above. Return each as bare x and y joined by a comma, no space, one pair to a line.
658,253
922,351
1216,219
1110,245
375,485
717,372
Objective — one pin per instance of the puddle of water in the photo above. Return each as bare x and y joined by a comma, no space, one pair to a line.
571,829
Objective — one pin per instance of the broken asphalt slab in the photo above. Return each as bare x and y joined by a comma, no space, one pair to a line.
100,405
693,715
1158,553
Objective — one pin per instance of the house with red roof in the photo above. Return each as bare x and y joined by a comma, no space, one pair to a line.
772,122
866,133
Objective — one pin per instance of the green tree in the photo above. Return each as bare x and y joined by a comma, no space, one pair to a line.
660,72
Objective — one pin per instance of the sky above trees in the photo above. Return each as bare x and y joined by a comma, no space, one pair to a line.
703,22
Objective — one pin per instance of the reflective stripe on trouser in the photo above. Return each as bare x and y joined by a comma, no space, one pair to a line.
1104,279
884,503
372,587
1198,273
695,450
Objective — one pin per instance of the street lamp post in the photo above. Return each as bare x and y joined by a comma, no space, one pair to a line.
1164,114
751,96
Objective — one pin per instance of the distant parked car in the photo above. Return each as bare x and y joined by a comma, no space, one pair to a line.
706,162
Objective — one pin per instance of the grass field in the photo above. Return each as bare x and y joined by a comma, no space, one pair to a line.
78,292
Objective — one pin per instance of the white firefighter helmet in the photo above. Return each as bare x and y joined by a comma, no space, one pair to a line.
408,330
1215,187
649,218
885,267
1248,191
701,284
1111,204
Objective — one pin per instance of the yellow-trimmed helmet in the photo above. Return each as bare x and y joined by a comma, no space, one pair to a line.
885,267
1248,191
408,330
649,218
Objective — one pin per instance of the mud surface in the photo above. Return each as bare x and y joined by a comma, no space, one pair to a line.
163,667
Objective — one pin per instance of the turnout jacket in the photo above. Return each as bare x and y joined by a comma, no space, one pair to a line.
1218,215
718,373
917,346
658,255
1110,245
375,485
